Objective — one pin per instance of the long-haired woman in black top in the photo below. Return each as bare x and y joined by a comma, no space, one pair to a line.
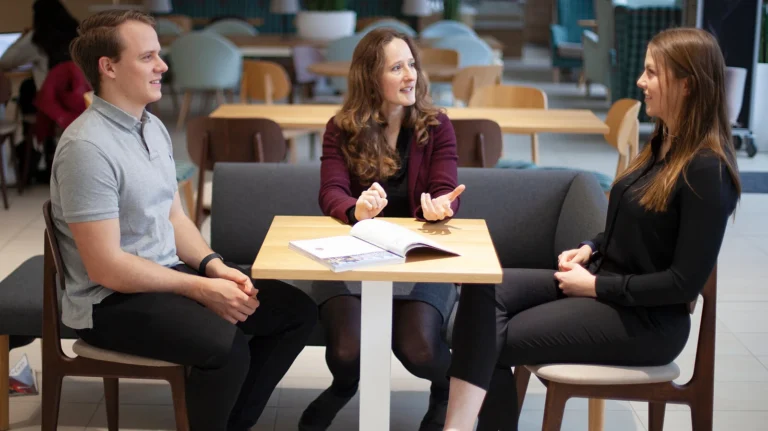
620,298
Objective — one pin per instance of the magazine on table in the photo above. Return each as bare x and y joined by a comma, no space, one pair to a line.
371,242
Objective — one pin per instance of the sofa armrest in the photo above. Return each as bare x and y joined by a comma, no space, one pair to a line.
582,215
589,38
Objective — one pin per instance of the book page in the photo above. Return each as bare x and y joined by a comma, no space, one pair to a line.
393,237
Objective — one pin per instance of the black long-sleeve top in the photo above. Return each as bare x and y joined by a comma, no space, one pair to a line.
648,258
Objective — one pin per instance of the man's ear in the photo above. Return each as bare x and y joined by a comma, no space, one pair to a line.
107,67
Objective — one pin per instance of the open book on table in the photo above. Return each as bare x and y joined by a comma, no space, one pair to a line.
370,243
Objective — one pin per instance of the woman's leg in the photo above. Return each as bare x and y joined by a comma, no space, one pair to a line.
479,334
340,316
418,343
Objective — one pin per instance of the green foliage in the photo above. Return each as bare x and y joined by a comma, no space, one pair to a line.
325,5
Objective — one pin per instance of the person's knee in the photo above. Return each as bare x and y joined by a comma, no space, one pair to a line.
226,351
416,352
345,355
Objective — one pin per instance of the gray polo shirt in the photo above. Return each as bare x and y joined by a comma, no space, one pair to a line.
110,165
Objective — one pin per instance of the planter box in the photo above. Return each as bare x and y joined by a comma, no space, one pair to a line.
321,25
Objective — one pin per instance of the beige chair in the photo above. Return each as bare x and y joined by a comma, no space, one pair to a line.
654,385
512,96
624,131
471,78
88,97
440,56
268,81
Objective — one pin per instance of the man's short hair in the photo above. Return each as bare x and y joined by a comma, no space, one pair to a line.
98,37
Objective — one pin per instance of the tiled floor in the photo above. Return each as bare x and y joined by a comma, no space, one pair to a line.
741,389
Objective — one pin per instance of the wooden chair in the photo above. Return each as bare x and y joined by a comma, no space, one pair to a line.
268,81
88,97
440,56
91,361
212,140
480,143
471,78
7,134
624,133
512,96
652,384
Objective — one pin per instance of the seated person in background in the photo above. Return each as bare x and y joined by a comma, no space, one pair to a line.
140,278
622,298
388,152
60,100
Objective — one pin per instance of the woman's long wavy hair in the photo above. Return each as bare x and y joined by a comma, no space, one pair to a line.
365,148
692,55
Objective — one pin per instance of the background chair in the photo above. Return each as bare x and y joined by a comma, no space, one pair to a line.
220,71
7,133
91,361
268,81
565,36
439,57
341,50
232,27
213,140
303,57
473,51
480,143
390,23
445,28
166,27
512,96
652,384
469,79
624,129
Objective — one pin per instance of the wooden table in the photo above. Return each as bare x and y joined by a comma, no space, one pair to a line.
478,263
522,121
271,45
436,72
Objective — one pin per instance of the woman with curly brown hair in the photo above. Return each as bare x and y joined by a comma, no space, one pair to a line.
387,152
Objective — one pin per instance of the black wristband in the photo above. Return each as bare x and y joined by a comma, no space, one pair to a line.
206,259
351,215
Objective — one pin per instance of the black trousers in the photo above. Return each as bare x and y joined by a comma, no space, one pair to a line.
231,377
528,321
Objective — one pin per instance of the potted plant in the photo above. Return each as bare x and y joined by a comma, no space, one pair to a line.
325,20
452,9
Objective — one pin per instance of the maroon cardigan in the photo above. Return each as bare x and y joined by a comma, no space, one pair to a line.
432,168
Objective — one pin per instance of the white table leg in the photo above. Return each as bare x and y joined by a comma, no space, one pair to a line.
375,355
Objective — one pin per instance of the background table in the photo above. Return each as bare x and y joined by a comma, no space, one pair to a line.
478,263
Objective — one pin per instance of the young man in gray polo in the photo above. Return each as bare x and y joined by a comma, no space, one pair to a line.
140,279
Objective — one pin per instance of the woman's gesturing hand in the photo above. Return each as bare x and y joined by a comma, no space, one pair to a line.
371,202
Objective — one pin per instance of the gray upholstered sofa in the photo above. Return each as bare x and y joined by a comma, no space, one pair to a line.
532,215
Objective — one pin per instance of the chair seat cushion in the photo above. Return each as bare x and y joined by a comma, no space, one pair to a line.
570,50
21,301
579,374
81,348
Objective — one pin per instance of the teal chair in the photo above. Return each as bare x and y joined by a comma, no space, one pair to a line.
473,51
446,28
391,23
342,50
165,27
565,35
220,71
599,49
232,27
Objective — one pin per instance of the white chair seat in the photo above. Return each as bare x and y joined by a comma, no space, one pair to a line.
81,348
580,374
570,50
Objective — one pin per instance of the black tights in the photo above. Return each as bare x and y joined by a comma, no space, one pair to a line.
416,341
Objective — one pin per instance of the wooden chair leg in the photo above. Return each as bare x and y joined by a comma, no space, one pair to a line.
51,398
522,377
554,408
4,366
291,143
184,109
535,148
112,401
28,150
596,414
3,188
177,382
701,416
656,416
